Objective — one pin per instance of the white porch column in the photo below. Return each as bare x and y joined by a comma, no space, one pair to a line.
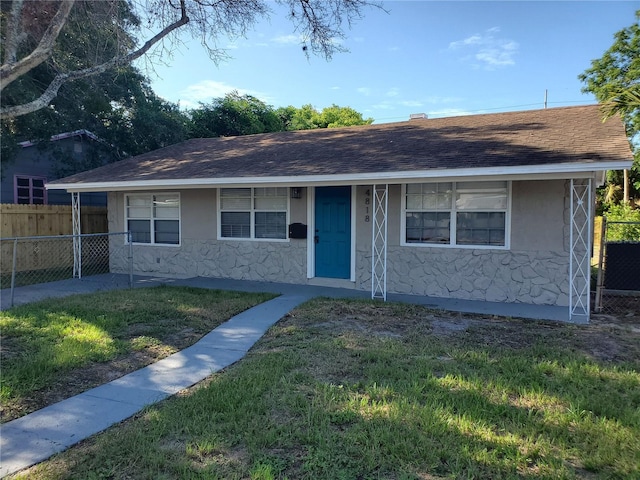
77,231
379,242
580,239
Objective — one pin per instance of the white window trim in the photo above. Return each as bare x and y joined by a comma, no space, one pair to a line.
452,240
153,243
252,219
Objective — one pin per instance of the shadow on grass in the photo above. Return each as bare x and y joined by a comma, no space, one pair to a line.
325,400
57,348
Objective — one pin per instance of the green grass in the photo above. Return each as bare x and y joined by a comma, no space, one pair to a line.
352,389
46,340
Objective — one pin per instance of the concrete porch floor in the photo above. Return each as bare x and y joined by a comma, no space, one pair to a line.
112,281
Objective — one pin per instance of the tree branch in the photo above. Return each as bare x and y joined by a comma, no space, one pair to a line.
13,70
12,41
52,90
318,21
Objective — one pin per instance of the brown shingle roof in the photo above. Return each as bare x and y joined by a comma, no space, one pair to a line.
526,138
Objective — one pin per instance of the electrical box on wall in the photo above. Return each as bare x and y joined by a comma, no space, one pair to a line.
297,230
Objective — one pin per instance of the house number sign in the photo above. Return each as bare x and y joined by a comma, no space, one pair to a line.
367,205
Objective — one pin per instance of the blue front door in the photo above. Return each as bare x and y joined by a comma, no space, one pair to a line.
333,232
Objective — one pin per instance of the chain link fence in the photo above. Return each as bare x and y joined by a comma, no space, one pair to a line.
34,260
618,273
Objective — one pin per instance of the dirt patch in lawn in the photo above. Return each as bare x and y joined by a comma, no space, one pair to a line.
612,337
608,338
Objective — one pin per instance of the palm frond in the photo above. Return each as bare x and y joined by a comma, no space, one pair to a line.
622,102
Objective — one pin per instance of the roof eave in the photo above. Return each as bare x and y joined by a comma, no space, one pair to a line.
528,172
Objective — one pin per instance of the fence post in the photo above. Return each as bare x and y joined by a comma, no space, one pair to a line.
13,268
77,231
130,259
600,278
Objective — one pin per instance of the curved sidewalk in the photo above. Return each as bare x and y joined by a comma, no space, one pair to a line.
35,437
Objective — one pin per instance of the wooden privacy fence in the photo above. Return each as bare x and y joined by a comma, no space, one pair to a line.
597,240
44,220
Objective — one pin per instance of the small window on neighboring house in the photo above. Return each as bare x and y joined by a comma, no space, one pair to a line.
77,144
153,219
254,213
29,190
457,214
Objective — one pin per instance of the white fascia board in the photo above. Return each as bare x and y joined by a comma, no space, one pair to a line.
62,136
529,172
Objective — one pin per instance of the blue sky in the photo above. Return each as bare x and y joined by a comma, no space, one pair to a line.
439,58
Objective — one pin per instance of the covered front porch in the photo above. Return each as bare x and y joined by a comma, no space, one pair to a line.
370,216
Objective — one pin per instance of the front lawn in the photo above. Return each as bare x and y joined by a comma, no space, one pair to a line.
357,390
60,347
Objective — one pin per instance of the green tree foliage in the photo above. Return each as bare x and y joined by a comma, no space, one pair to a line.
119,107
628,228
307,117
335,116
140,121
89,23
76,39
233,115
303,118
614,79
89,33
236,114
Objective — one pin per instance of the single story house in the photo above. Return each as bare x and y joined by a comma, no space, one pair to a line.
24,177
495,207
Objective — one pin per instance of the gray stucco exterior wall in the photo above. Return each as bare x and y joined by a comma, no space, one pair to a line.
534,269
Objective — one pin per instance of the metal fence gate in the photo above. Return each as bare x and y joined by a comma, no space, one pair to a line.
34,260
618,276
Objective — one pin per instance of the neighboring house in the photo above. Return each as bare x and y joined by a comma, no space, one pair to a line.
486,207
36,163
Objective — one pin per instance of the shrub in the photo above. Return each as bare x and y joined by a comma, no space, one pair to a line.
623,232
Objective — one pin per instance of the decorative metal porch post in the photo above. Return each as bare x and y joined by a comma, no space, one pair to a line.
580,238
77,231
379,242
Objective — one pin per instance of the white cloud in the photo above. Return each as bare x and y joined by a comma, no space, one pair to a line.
488,49
439,100
411,103
393,92
206,90
472,40
288,39
383,106
366,91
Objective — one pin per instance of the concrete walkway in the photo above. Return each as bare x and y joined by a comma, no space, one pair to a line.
35,437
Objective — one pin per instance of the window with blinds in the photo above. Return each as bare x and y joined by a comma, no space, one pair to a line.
456,213
254,213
